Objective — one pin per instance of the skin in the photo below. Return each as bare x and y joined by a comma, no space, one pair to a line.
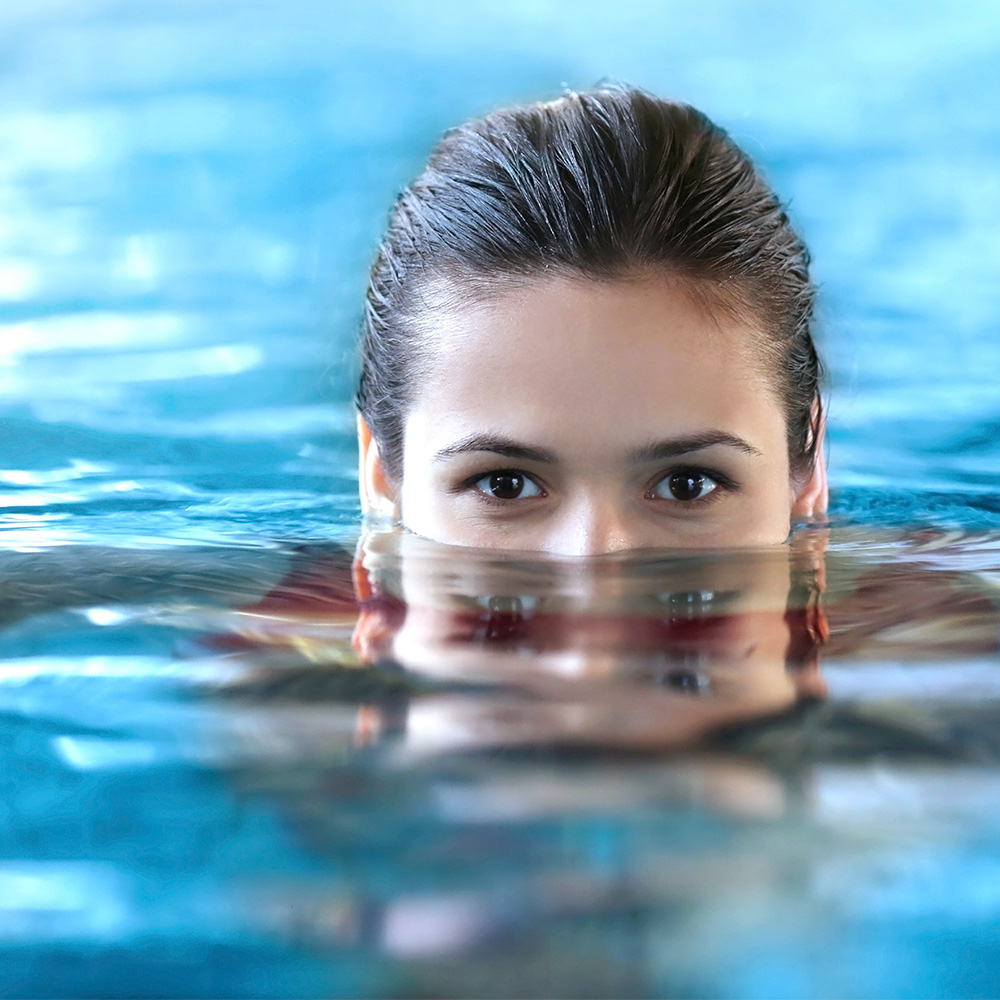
576,417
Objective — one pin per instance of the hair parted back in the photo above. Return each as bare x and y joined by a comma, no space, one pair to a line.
606,184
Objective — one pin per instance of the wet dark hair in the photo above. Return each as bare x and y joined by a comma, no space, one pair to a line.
607,185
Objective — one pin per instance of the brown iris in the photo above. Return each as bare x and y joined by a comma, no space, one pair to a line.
686,485
506,485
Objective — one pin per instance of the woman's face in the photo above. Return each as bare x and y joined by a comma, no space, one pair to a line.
578,417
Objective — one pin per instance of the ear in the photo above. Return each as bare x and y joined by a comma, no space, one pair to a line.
812,496
377,495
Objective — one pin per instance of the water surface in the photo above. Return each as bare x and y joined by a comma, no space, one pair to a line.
408,771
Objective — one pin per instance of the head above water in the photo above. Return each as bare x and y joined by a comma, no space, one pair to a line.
588,328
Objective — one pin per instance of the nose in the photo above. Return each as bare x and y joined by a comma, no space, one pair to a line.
592,527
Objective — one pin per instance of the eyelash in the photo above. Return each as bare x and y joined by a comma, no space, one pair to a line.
721,480
483,496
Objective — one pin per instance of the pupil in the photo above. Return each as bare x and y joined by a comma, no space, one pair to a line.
506,485
687,485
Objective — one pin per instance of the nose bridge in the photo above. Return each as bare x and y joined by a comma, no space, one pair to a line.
593,524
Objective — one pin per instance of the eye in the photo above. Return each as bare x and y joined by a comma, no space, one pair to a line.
686,605
522,605
508,484
682,670
684,485
504,617
685,680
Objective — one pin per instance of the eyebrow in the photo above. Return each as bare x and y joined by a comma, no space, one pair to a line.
497,444
659,450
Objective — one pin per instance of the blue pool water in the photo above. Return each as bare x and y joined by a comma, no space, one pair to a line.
513,783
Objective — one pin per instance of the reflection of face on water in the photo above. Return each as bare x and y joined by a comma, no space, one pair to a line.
638,651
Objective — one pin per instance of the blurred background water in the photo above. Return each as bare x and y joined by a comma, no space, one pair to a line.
203,794
191,193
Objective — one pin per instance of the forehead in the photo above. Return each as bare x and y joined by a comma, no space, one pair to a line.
572,346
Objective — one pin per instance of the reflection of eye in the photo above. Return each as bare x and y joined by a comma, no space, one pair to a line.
680,669
504,617
685,485
521,605
683,674
508,484
684,680
688,604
